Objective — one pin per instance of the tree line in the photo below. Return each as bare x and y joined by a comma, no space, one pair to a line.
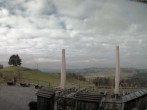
135,81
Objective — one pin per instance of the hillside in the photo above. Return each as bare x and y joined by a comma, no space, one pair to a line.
36,76
90,73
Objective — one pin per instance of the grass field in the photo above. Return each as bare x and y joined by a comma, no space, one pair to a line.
111,75
36,76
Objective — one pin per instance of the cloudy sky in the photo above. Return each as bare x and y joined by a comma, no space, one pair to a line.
89,30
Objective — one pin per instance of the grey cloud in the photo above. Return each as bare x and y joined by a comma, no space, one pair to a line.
88,30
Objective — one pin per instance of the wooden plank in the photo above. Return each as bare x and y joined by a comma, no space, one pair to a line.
142,93
133,96
89,96
145,91
138,94
90,100
128,97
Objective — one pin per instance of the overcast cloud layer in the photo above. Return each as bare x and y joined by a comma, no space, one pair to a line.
89,30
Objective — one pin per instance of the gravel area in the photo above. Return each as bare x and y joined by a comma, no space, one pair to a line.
16,97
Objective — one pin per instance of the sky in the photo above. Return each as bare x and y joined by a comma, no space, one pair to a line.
88,30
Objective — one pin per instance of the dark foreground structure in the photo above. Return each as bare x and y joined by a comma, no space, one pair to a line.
72,99
23,98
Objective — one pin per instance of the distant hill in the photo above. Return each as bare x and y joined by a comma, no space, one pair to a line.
8,73
89,70
95,70
107,72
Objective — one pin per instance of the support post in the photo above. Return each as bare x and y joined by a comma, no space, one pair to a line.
117,73
63,71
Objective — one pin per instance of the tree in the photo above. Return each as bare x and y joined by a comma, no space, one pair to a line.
15,60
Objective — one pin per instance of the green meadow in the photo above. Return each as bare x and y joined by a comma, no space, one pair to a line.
35,77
